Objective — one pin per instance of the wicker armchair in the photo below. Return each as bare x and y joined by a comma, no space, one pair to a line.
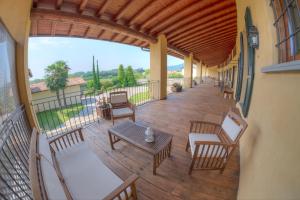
120,106
213,144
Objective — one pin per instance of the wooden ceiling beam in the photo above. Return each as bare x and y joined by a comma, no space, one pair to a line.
53,28
122,11
225,42
113,36
176,49
231,35
102,8
58,4
140,12
201,26
82,6
70,30
207,15
206,30
89,20
149,17
184,13
100,33
34,27
35,3
213,49
124,38
203,37
174,7
87,31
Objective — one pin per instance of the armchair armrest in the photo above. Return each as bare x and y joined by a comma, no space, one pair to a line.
204,127
132,106
66,140
122,189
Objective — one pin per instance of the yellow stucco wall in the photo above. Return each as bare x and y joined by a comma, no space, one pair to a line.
158,65
269,149
15,16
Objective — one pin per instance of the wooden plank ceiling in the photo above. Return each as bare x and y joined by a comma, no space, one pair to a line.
206,28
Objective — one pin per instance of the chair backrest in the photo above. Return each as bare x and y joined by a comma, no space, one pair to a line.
118,99
234,126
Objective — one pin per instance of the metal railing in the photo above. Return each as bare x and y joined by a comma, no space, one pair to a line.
79,108
14,154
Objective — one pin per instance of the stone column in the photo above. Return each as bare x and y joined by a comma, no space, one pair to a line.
158,67
198,72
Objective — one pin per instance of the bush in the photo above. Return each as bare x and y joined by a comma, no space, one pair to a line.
175,75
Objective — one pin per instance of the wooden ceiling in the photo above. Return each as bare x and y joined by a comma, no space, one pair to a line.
206,28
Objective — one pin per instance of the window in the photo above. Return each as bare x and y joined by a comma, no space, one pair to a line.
287,23
8,89
245,69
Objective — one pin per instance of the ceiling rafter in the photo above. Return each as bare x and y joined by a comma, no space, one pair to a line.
226,40
58,4
198,25
149,17
206,15
123,10
86,33
139,12
88,20
185,14
174,7
102,8
82,6
204,36
100,33
53,28
206,29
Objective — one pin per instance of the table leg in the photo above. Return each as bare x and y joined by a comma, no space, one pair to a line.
154,164
111,141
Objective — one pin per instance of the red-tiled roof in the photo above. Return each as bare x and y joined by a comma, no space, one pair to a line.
41,86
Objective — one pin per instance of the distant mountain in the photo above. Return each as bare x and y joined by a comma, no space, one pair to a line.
175,67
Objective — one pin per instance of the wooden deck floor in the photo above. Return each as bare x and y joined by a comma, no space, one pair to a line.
172,181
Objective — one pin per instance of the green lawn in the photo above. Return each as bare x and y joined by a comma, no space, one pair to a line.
51,119
139,97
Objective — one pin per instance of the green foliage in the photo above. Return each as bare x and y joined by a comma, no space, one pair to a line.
175,75
90,84
51,119
107,84
122,76
98,77
130,79
56,77
139,97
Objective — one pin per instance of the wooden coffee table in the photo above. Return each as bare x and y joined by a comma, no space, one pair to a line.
133,134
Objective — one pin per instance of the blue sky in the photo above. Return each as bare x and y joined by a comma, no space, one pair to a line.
78,54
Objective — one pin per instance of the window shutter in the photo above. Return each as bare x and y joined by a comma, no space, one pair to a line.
240,70
251,59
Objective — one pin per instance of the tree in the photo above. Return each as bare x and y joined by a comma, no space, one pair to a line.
121,76
56,77
94,75
98,77
130,79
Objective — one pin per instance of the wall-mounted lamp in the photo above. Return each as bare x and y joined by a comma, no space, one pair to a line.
253,37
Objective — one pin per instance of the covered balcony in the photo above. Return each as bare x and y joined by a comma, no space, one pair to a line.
247,50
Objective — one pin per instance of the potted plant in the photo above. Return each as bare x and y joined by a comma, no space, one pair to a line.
176,87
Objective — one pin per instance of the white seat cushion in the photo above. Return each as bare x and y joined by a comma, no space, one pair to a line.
193,137
231,128
85,175
119,112
52,183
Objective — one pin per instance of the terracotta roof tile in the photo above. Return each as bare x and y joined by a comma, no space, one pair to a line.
41,86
